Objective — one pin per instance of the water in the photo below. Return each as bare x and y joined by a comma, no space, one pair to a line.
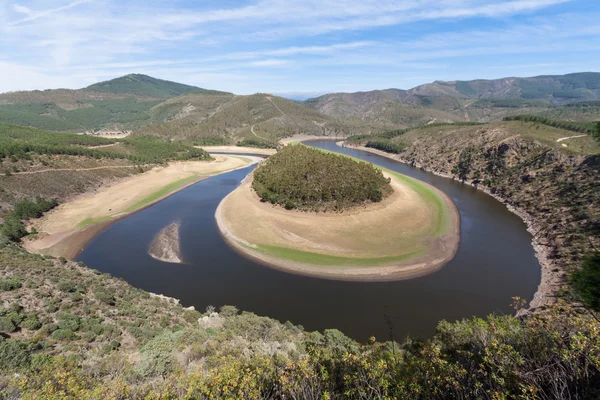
495,262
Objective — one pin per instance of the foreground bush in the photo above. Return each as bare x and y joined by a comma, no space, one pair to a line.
554,355
309,179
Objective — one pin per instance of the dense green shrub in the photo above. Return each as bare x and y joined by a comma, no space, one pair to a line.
66,286
210,141
31,322
582,127
385,145
260,143
14,355
7,325
309,179
26,209
13,228
67,321
586,282
10,284
63,334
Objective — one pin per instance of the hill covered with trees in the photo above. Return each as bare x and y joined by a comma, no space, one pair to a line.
299,177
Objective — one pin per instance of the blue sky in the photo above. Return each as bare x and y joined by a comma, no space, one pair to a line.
282,46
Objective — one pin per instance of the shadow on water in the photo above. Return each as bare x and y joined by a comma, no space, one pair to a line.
495,261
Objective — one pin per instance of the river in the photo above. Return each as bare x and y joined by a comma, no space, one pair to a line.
495,262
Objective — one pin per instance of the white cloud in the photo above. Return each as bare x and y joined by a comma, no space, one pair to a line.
22,9
70,43
269,63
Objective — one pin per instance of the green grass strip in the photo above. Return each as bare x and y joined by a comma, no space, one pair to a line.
327,260
91,221
171,187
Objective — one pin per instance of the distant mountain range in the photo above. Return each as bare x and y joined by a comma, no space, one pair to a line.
155,106
456,97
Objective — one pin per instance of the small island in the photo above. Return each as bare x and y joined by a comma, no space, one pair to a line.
310,212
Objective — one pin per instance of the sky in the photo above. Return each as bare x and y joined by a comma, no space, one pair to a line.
294,48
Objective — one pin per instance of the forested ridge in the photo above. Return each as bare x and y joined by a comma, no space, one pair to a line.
308,179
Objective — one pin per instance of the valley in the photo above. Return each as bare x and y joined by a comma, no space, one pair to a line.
412,229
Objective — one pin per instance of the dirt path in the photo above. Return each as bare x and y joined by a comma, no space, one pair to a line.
569,137
103,146
276,106
131,194
72,169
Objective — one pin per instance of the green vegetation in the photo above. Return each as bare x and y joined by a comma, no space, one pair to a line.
142,85
586,282
399,132
464,165
89,115
261,144
210,141
17,142
171,187
385,145
328,260
71,332
308,179
582,127
13,227
508,103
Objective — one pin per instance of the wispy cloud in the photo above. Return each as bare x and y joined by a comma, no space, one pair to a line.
278,45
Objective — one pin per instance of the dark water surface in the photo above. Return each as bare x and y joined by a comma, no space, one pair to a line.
495,261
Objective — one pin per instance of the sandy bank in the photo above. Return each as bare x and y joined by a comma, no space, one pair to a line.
302,138
413,232
65,230
165,245
238,149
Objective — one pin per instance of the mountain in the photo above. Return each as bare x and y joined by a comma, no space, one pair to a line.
143,85
118,104
554,89
476,100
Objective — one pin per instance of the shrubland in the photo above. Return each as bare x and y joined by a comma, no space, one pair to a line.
72,332
299,177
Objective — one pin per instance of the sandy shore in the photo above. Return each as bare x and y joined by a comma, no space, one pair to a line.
68,228
552,275
395,239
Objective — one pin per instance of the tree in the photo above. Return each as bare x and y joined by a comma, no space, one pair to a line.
596,134
586,282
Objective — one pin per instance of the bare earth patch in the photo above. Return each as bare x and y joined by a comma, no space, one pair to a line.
80,218
165,245
412,232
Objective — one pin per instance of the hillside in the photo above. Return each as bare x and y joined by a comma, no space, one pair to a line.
116,105
229,118
143,85
477,100
61,165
